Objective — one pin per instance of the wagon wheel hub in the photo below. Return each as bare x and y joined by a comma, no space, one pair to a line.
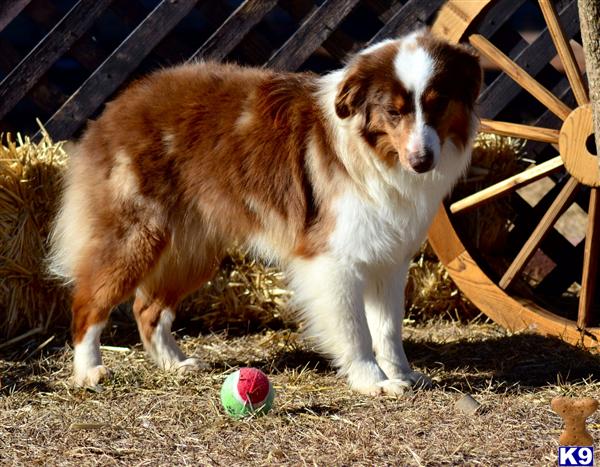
576,133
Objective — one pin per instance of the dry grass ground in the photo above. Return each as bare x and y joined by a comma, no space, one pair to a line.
144,417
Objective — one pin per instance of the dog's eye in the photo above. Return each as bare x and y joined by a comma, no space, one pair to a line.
393,112
440,104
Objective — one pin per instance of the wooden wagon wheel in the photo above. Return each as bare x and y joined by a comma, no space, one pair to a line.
503,283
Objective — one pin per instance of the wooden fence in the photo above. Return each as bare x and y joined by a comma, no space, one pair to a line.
61,60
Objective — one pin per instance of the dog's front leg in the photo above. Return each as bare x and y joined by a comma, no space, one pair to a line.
330,295
384,306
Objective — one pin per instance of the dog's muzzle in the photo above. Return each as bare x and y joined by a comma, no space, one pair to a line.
421,161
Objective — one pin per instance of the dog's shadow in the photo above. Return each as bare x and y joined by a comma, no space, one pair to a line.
505,363
509,363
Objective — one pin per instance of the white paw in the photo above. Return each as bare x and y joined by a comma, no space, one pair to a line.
396,386
190,365
364,376
92,377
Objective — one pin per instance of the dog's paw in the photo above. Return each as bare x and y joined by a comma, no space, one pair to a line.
190,365
92,377
365,376
399,386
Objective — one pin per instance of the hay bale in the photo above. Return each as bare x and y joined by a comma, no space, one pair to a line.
431,293
29,188
244,294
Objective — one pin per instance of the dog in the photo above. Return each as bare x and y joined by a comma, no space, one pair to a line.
336,178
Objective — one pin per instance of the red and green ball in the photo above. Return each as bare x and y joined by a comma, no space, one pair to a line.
247,391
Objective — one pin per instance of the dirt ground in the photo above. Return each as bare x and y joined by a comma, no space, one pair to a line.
144,417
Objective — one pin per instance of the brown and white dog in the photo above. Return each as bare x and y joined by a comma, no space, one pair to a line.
335,178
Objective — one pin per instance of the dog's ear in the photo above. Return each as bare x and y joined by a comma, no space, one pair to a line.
351,95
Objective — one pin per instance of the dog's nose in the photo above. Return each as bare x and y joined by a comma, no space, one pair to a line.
422,160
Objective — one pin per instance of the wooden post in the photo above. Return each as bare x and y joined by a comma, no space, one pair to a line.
589,17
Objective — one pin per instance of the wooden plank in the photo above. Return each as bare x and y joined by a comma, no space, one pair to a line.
311,34
44,94
413,14
78,20
9,11
455,17
169,50
252,49
338,44
517,130
590,261
560,204
507,186
117,67
525,217
565,51
547,119
569,259
85,50
233,30
532,58
513,312
527,82
496,15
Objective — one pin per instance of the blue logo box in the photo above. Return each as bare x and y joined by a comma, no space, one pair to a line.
575,456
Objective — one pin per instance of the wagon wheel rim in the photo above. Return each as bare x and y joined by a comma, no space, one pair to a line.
582,167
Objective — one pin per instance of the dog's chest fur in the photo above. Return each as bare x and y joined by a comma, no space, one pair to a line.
388,226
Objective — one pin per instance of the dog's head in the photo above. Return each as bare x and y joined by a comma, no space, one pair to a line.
412,95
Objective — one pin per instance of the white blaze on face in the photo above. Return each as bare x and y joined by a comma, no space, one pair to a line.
414,67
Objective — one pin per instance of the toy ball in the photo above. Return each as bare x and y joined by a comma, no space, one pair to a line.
248,391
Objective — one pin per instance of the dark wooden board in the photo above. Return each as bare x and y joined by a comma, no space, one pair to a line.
117,67
317,27
85,50
53,46
9,9
412,15
532,58
496,15
233,30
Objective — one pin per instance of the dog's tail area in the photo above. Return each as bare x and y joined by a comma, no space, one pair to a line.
70,231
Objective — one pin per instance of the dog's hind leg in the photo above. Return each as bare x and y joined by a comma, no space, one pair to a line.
155,306
110,272
154,316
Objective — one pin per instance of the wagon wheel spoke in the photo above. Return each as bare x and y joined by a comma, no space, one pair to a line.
507,186
565,52
559,206
518,74
590,261
517,130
